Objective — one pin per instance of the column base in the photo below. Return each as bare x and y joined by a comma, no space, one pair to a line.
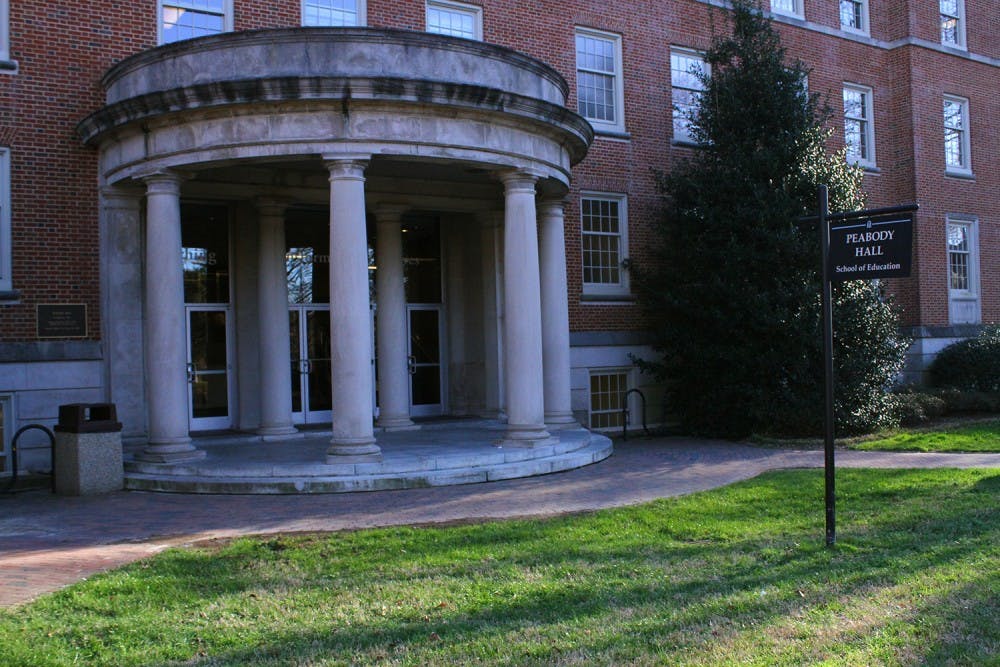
560,420
396,423
350,450
527,436
278,433
176,451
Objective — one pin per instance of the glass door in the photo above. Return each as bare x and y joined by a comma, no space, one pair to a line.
208,368
424,322
309,329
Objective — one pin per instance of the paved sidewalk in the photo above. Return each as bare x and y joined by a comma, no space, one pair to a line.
48,542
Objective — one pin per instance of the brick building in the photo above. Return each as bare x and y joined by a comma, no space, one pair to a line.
164,203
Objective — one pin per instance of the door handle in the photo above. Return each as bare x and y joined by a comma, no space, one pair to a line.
307,366
411,364
190,373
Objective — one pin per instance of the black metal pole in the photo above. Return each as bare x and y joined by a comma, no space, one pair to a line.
828,421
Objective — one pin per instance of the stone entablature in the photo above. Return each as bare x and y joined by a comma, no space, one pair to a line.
312,91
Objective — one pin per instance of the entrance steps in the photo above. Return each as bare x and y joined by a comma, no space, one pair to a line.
439,454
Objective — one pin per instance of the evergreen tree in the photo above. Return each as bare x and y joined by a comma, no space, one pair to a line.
734,287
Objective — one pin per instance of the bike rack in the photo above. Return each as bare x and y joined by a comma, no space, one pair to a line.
13,453
625,412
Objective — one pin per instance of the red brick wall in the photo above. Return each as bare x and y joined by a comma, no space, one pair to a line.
64,48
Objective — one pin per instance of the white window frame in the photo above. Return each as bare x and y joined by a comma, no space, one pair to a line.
6,431
629,384
473,11
965,142
360,12
868,125
969,297
6,254
795,10
227,15
959,18
4,30
681,135
865,27
600,125
621,288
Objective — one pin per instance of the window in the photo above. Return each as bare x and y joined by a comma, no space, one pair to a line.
859,130
854,15
184,19
4,34
956,135
6,284
604,236
686,89
333,12
6,427
787,7
963,270
607,397
598,79
953,23
454,18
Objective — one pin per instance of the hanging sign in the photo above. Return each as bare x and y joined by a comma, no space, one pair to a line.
879,246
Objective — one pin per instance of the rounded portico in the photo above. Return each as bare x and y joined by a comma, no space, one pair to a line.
278,169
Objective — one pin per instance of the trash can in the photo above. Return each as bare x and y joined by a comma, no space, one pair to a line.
88,450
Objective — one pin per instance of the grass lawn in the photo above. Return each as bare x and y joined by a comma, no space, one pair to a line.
975,437
734,576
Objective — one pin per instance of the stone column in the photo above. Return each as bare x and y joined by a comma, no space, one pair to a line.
350,327
492,317
165,329
121,305
272,321
555,316
522,344
390,329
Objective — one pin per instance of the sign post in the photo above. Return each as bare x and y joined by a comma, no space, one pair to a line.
868,244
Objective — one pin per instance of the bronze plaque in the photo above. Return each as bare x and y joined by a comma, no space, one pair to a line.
62,320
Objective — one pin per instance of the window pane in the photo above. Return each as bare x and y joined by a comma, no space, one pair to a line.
607,391
601,227
330,13
596,95
453,22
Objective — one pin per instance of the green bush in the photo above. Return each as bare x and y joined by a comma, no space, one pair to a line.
970,365
916,407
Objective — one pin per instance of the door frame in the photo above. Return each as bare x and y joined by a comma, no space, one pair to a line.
211,423
305,416
430,409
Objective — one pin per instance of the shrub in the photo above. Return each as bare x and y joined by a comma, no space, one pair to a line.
916,407
970,365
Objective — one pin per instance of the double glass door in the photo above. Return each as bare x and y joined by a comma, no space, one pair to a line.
309,329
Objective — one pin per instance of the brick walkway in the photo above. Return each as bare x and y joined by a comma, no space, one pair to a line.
48,542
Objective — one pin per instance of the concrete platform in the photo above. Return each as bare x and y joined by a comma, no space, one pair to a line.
438,454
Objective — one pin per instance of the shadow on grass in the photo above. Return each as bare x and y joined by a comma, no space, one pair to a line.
615,586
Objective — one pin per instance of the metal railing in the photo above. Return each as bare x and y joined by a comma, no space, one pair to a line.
13,454
626,413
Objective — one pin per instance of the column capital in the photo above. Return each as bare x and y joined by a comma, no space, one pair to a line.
346,167
518,180
551,205
390,213
121,197
164,181
490,218
270,207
